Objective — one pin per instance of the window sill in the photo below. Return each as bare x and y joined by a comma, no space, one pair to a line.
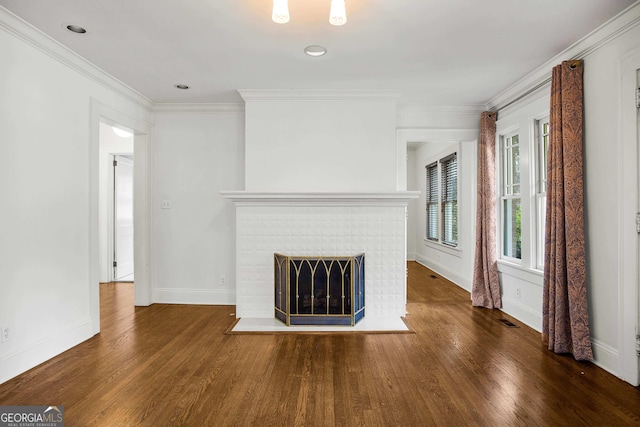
531,275
451,250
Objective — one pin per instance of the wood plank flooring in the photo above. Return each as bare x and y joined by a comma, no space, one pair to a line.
174,365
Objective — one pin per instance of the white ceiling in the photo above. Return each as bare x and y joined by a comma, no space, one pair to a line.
438,53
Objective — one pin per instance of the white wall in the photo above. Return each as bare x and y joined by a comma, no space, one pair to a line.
413,228
445,117
312,145
604,183
45,239
110,144
521,285
197,154
454,263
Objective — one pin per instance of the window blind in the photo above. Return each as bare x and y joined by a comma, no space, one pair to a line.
432,201
449,199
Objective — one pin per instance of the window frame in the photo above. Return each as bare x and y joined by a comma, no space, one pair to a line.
432,201
452,247
507,188
523,119
445,200
541,159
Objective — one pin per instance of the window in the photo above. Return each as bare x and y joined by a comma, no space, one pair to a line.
442,200
521,169
432,201
449,199
511,200
542,148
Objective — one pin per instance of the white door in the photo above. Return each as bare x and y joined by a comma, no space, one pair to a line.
123,218
629,208
638,218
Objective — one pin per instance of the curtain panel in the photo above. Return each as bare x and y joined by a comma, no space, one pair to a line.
565,316
485,290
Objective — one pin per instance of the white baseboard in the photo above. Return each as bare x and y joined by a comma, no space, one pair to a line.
23,359
605,356
444,272
195,296
523,313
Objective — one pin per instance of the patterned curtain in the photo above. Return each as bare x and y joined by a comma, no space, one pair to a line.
485,290
565,316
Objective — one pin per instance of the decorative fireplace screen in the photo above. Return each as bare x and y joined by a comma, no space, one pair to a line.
319,291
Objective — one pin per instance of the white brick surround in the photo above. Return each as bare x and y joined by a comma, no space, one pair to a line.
321,224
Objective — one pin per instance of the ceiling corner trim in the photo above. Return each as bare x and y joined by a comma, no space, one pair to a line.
541,76
176,107
17,27
250,95
473,110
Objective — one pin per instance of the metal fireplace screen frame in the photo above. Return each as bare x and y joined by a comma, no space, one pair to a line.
319,290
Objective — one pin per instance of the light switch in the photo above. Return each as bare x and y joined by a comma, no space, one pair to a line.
165,204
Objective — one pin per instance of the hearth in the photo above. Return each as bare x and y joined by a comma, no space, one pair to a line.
319,290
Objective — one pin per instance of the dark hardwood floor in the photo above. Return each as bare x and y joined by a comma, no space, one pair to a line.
174,365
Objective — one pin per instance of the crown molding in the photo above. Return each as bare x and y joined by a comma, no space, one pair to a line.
166,107
19,28
429,110
447,109
541,76
318,95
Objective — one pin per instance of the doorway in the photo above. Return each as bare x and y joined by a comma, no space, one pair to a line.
115,217
103,117
123,218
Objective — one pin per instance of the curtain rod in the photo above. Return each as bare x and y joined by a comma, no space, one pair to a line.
540,84
574,63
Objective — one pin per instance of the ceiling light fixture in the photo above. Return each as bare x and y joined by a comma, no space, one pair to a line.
76,29
280,13
337,14
315,50
121,132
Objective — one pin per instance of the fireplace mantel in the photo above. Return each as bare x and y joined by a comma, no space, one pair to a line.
249,198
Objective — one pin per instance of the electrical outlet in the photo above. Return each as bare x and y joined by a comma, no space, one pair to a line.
518,293
223,281
4,333
165,204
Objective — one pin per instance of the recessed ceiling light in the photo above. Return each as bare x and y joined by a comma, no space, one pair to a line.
182,86
76,29
315,50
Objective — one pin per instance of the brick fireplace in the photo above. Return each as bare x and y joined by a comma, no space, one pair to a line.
324,177
315,225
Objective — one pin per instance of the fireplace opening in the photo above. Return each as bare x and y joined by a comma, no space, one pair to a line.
319,290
